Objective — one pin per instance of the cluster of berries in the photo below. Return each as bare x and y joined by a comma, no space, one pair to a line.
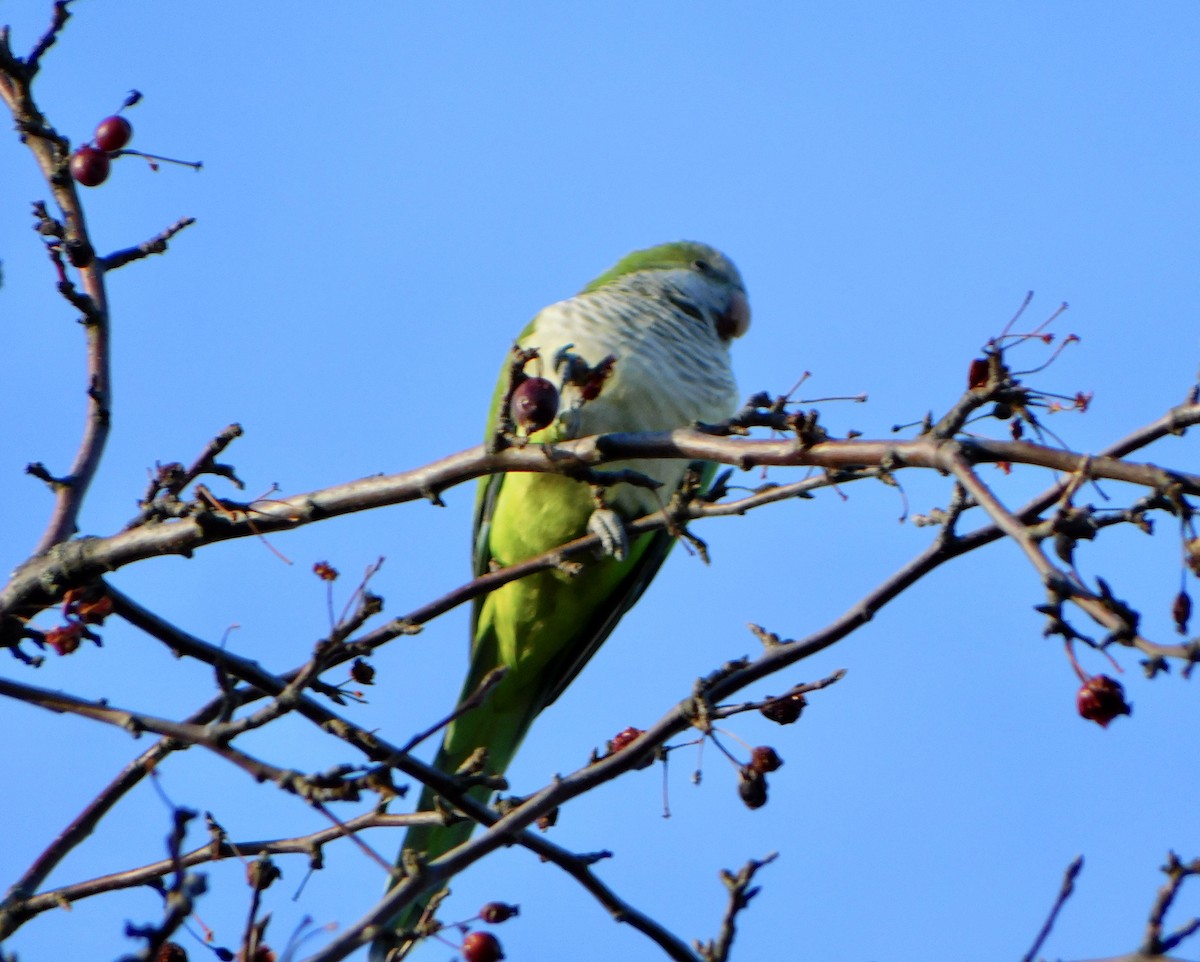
91,163
480,945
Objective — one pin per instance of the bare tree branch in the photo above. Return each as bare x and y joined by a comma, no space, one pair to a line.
34,584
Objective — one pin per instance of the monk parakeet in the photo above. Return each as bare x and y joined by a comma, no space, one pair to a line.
655,330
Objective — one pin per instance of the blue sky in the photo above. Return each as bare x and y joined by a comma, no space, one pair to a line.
391,191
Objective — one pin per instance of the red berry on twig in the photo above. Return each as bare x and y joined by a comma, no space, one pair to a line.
482,947
1181,611
90,166
752,788
325,571
362,672
113,133
1101,699
764,759
495,912
785,709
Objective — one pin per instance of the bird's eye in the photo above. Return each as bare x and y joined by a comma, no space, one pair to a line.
703,266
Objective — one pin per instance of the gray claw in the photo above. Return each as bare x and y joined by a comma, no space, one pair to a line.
607,524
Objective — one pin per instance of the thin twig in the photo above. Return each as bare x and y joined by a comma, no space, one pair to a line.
1064,893
740,894
47,39
309,845
155,245
1154,942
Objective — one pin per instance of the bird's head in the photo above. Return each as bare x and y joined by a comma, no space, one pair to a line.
702,274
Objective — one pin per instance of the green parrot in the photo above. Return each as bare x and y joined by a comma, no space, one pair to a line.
667,315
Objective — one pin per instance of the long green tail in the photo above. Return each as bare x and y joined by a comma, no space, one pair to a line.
500,724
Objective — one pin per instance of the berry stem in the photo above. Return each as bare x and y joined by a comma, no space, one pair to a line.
194,164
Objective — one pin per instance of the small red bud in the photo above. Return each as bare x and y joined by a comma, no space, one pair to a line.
496,912
1181,611
325,571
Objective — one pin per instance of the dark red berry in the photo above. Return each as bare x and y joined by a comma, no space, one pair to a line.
1101,699
1181,611
752,787
495,912
481,947
784,710
362,672
113,133
534,404
90,166
764,759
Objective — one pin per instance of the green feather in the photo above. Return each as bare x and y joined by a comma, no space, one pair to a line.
664,257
